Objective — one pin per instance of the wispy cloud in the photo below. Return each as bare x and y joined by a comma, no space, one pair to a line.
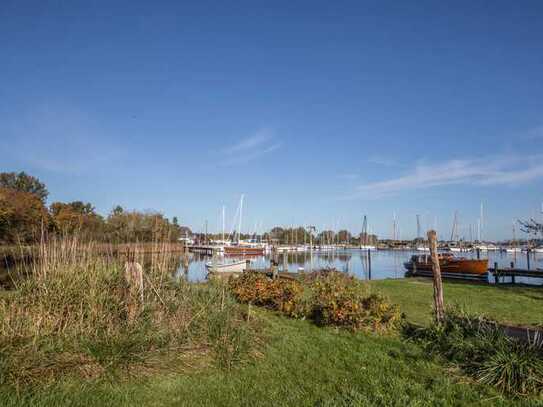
382,160
502,170
250,148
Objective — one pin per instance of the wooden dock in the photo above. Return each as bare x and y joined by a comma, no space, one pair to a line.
204,249
451,276
513,272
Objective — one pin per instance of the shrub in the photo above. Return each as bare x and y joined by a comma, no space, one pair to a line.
481,348
329,298
279,294
344,301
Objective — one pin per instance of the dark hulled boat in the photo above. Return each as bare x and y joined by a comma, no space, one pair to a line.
448,264
243,250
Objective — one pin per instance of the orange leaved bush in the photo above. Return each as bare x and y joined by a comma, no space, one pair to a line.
282,295
330,298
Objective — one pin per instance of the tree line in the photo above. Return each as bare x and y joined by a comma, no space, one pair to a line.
297,236
25,217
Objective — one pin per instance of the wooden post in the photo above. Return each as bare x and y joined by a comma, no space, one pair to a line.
438,285
273,266
528,258
478,253
369,264
133,274
496,279
512,276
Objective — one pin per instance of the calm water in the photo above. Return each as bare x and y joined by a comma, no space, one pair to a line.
384,263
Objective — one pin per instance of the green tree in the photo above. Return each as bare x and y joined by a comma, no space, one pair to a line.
23,182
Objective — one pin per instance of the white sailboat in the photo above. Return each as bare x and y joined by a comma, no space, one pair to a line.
364,245
514,248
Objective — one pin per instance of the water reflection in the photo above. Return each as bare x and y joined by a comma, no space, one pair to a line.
384,263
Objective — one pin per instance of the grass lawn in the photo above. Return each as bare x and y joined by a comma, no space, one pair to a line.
300,365
515,305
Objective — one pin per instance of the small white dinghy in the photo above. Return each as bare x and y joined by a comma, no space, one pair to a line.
238,266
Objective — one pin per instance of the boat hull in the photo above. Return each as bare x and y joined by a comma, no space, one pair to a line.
234,267
243,251
461,266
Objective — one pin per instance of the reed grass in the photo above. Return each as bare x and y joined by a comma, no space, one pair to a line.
69,317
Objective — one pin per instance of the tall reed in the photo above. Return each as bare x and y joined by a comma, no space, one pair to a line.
69,316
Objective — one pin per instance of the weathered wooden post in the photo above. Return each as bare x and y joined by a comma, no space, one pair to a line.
438,285
273,267
369,264
528,258
496,279
133,274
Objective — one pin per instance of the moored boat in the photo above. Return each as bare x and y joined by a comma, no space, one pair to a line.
243,250
448,264
228,267
368,247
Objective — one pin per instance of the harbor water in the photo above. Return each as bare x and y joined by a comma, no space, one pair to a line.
384,263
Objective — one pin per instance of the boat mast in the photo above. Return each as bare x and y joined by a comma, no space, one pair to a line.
223,222
394,226
365,230
481,218
418,227
514,235
240,214
454,232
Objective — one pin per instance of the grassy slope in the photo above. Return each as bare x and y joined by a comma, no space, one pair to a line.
516,305
301,365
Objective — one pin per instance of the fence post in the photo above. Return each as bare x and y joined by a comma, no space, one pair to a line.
369,264
438,284
512,271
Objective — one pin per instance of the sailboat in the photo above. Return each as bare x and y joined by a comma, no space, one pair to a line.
364,244
514,248
241,248
420,247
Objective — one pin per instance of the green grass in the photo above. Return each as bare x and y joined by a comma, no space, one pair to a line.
515,305
300,365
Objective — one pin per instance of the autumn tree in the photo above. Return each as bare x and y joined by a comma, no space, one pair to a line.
77,218
23,216
344,236
23,182
133,226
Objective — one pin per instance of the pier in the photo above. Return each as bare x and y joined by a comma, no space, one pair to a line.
205,249
513,272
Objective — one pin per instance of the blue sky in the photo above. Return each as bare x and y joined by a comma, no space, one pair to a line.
319,112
